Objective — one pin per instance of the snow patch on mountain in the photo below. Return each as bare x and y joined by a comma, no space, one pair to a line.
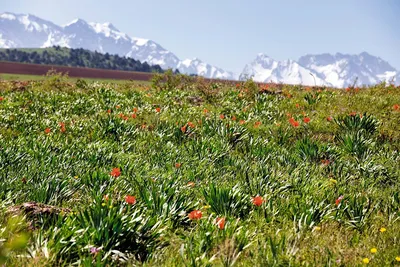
266,69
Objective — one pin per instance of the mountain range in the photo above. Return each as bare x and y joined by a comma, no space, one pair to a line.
339,70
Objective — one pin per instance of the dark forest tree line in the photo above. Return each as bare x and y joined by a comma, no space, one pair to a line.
76,58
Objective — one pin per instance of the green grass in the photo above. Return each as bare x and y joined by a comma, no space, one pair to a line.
329,187
23,77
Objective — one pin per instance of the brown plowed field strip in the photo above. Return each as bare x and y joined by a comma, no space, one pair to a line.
36,69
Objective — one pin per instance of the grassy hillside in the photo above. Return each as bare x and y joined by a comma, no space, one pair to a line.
190,173
75,58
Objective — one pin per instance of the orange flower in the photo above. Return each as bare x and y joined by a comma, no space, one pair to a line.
348,89
396,107
191,184
353,113
257,201
195,215
143,126
117,106
329,118
242,122
47,130
205,110
106,198
306,120
257,124
222,116
108,111
62,127
158,110
297,105
133,116
116,172
221,223
183,129
1,98
135,110
294,123
131,200
233,118
191,125
338,200
178,165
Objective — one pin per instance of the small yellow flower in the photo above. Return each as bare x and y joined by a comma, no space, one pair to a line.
76,177
373,250
333,181
365,260
110,207
103,204
382,230
398,258
207,207
317,228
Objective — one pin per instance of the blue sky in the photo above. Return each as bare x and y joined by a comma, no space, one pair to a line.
230,33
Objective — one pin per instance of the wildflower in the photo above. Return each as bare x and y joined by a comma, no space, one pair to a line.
108,111
135,110
117,106
62,127
191,184
206,207
158,110
1,98
76,177
257,201
221,223
233,118
396,107
373,250
398,258
365,260
133,116
143,126
195,215
348,89
183,129
103,204
47,130
329,118
116,172
293,122
222,116
317,228
257,123
382,230
353,113
333,181
94,250
306,120
190,124
297,105
241,122
338,200
131,200
105,197
205,110
178,165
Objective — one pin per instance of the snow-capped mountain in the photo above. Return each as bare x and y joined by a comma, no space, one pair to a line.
20,30
203,69
339,70
342,70
266,69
